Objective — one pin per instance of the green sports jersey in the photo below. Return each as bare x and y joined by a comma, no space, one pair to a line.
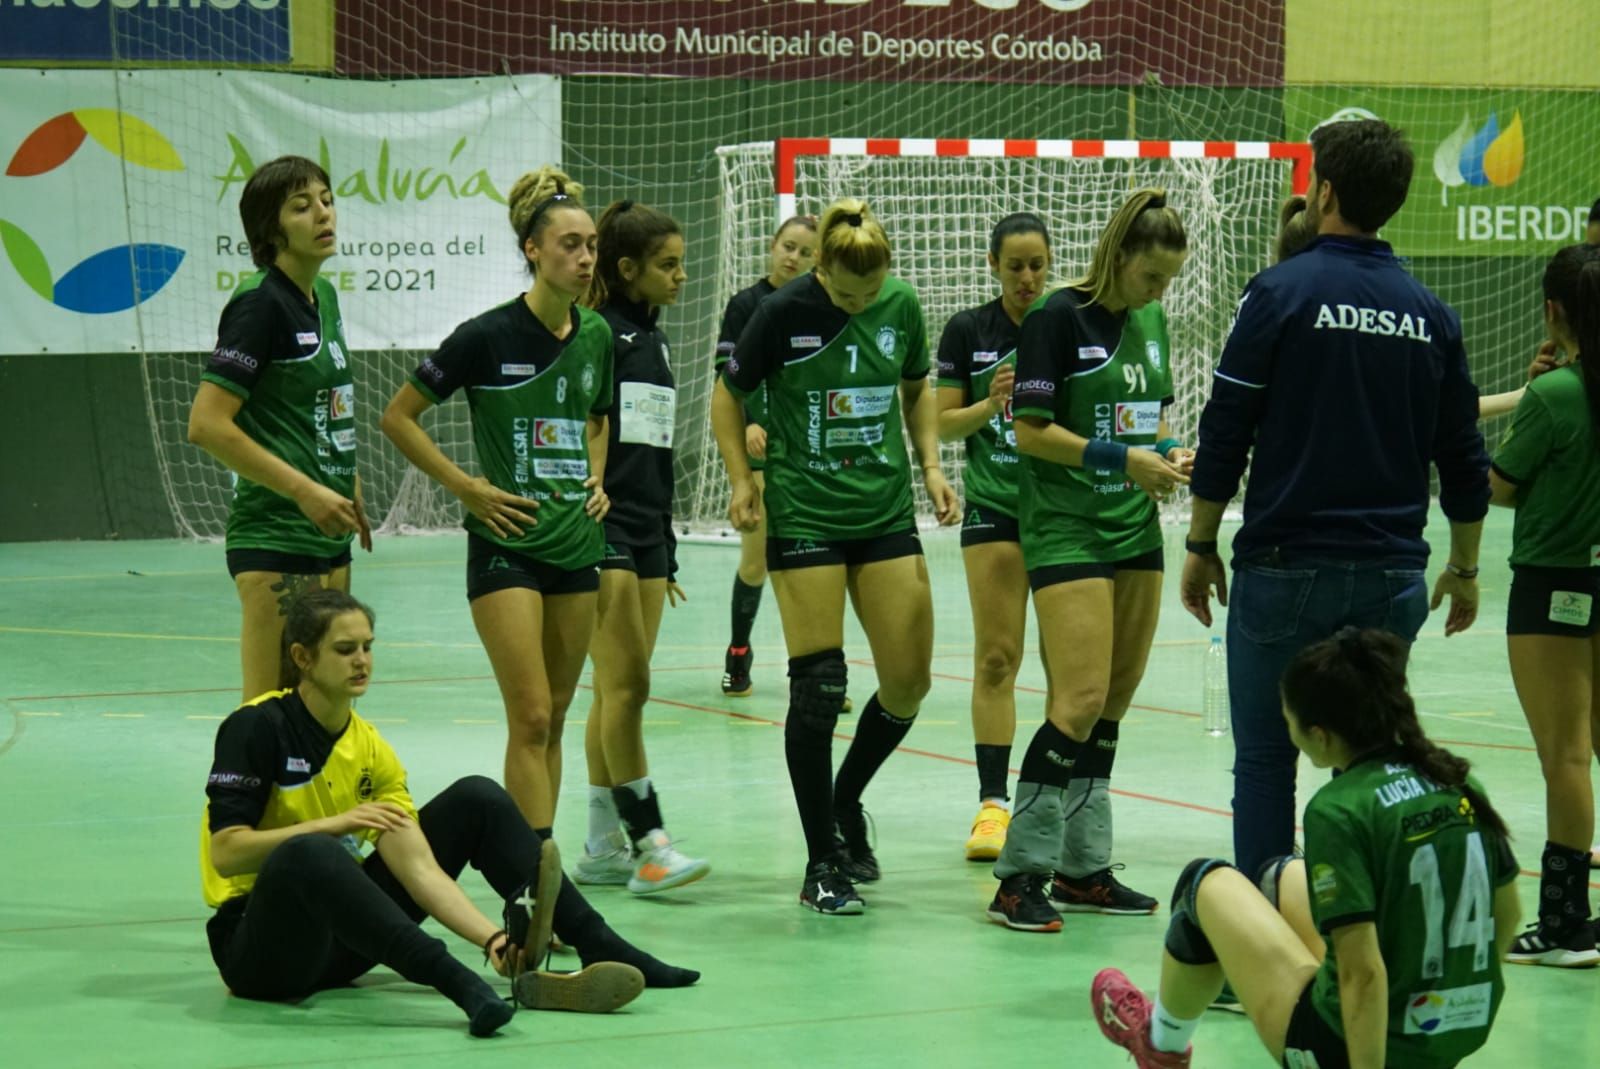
837,466
287,358
1099,375
975,344
531,394
1549,452
1386,845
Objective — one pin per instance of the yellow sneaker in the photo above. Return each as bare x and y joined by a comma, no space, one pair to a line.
988,832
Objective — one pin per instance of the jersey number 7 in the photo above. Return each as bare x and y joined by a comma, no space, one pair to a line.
1471,922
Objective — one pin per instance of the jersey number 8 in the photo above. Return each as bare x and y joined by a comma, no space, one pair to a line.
561,390
1471,922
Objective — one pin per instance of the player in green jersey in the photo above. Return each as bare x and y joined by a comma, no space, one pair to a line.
794,250
639,270
1094,379
276,404
840,352
977,368
1382,946
537,374
1548,469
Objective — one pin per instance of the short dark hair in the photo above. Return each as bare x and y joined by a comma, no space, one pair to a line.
1014,224
273,183
1594,212
1369,164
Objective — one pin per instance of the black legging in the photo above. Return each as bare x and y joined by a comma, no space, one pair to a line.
317,918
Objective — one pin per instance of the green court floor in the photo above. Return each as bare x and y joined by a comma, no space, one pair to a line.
117,660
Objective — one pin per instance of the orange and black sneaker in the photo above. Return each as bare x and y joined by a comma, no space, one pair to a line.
1099,892
1020,903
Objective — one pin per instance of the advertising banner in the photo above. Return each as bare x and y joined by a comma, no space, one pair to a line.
1498,172
119,201
1068,42
256,32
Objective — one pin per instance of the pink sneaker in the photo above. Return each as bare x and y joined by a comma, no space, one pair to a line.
1123,1014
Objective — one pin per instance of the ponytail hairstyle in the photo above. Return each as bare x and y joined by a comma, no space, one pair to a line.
1353,685
627,231
852,239
1144,222
307,623
1572,282
1014,224
533,197
1294,229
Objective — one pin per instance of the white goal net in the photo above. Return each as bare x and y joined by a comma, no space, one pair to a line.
938,202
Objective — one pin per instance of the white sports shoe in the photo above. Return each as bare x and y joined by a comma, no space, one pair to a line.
659,866
612,867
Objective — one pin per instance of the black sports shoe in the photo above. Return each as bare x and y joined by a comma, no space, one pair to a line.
856,859
1020,903
736,672
1574,949
1099,892
829,891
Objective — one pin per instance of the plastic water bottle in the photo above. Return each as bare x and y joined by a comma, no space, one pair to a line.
1214,705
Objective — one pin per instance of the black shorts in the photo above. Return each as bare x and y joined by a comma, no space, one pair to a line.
270,560
647,562
787,553
1553,601
492,568
1051,574
1309,1042
981,525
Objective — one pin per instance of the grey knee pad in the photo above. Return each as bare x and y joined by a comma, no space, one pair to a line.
817,690
1269,876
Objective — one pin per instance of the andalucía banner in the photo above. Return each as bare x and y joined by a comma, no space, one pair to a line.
119,200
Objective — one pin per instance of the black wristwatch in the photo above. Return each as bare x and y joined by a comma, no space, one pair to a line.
1204,549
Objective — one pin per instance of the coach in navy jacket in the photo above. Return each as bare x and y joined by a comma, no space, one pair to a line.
1343,378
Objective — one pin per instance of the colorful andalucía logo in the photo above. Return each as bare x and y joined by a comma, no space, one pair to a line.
1487,157
114,279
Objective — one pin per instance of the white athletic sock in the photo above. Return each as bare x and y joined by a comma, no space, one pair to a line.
604,824
1169,1033
999,803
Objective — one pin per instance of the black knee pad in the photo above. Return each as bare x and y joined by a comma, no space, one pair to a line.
1186,941
817,690
1271,872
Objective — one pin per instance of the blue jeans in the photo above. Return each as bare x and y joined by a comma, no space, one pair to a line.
1274,612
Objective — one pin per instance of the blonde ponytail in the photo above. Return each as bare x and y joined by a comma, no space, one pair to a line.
1142,223
852,239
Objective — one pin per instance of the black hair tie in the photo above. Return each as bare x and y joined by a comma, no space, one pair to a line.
1157,201
624,206
854,218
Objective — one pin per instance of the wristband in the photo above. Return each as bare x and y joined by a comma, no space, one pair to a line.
1460,572
1203,549
1102,455
1167,445
489,943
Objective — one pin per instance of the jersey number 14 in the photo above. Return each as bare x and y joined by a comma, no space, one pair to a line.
1471,922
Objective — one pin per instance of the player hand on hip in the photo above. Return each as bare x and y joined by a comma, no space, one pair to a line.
599,502
500,511
755,441
331,512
